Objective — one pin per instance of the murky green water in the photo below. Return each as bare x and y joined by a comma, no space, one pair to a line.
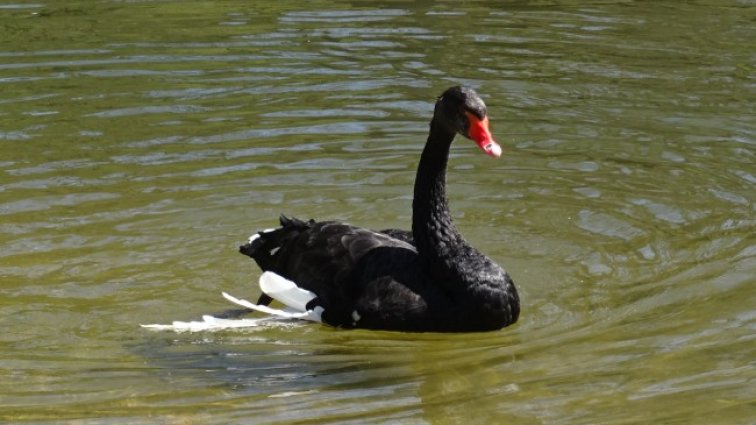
141,142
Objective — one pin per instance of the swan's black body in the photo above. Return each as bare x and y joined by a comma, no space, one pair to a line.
429,279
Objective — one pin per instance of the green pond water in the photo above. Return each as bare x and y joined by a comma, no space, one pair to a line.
142,141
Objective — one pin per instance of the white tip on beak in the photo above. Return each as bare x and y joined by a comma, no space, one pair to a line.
493,149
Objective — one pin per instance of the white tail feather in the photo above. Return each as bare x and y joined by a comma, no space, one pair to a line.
285,291
311,315
256,236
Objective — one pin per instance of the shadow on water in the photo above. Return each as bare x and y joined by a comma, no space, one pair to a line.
315,368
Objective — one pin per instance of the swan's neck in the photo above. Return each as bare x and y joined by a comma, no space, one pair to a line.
436,238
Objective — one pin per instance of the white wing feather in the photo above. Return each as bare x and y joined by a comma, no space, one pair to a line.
276,286
287,292
208,323
311,315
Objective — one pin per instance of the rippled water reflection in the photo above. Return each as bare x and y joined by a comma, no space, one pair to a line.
142,141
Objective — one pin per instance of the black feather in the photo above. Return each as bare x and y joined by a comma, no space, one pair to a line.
429,279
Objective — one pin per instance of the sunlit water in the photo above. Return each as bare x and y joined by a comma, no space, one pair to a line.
141,142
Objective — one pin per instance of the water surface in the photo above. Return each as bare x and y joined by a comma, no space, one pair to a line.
142,141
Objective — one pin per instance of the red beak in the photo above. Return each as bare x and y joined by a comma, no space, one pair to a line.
481,135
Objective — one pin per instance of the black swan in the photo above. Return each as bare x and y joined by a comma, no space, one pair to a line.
429,279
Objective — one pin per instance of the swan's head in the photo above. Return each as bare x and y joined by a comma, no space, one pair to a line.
463,112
